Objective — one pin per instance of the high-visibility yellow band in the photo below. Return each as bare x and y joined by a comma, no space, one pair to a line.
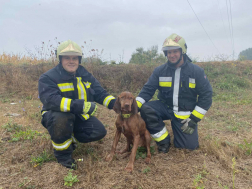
139,104
85,116
181,116
64,87
65,104
165,84
82,94
87,84
162,137
192,85
107,100
62,146
197,114
43,112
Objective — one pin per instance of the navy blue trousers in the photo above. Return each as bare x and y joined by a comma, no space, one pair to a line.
154,124
61,126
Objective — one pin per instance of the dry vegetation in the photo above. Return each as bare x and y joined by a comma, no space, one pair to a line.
222,161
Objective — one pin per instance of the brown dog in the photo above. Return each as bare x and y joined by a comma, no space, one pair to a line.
132,126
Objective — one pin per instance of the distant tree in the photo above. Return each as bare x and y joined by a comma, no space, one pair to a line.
245,54
149,56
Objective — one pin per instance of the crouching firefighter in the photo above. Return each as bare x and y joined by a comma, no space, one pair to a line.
68,93
184,97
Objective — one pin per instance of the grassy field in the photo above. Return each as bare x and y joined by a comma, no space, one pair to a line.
223,160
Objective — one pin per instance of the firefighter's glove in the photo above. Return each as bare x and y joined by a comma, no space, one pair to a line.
89,108
189,126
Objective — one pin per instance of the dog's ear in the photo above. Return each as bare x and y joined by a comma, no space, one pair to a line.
134,107
117,106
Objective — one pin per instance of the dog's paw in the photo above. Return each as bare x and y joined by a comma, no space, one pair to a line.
109,157
129,167
147,160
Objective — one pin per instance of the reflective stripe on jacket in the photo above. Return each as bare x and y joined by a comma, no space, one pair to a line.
61,91
185,89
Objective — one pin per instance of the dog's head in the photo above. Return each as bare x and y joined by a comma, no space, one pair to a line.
126,103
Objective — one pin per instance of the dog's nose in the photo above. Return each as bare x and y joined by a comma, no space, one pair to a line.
126,105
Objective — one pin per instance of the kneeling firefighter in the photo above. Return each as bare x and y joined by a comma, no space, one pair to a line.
184,97
68,93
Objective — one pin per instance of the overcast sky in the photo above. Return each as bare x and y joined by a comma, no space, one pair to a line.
120,26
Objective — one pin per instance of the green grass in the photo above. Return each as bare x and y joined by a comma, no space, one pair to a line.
42,158
141,152
12,127
247,147
25,135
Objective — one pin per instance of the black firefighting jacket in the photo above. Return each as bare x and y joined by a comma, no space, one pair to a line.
64,92
186,90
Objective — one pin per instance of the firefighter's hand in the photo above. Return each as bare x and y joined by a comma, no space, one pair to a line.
89,108
189,126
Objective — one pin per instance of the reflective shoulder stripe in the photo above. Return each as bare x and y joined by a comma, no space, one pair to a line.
199,112
65,104
62,146
81,89
160,135
64,87
85,116
107,100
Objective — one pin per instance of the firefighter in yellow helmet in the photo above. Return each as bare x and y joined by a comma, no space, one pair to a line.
184,97
68,93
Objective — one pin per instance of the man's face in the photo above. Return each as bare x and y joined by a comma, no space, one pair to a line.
173,55
70,63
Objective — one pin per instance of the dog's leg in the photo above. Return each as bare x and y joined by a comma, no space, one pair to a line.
147,142
127,149
115,142
130,165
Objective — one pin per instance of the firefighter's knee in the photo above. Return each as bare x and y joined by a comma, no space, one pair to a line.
98,135
63,124
148,114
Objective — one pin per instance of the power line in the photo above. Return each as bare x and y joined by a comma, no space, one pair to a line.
203,27
232,29
229,24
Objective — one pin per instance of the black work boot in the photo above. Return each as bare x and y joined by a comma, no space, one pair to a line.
163,148
69,163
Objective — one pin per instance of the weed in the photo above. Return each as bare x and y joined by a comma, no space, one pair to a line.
141,152
146,170
25,135
247,147
10,127
70,179
42,158
198,182
233,171
29,97
25,182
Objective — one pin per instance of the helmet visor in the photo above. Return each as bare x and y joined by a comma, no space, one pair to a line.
170,48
